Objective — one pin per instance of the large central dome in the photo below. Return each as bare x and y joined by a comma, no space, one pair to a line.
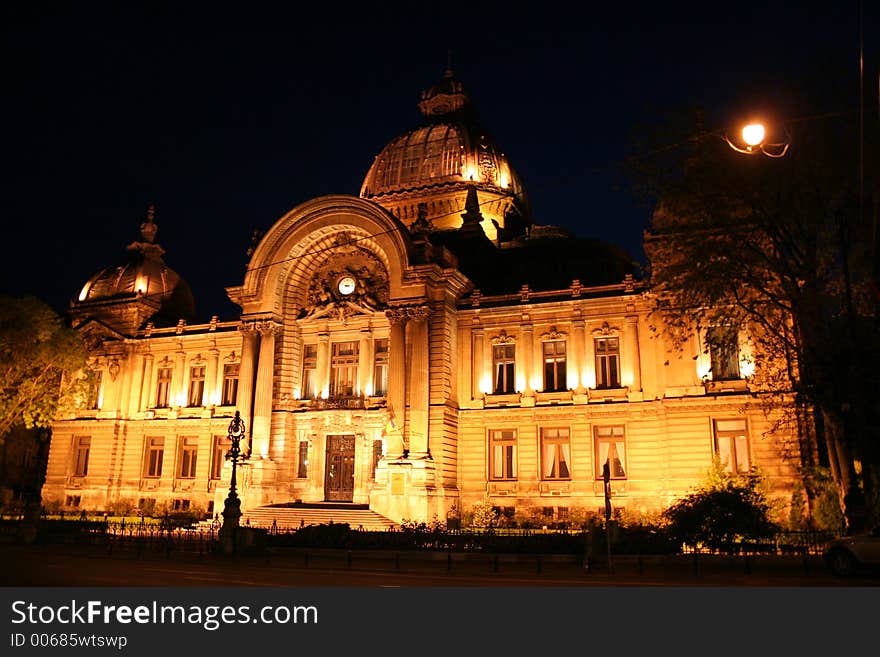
426,172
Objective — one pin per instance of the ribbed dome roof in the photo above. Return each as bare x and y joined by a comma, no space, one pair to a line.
441,157
140,275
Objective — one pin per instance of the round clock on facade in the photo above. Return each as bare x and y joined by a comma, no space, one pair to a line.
346,285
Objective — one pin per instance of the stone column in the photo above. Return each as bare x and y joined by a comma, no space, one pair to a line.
478,361
322,366
137,381
147,387
579,354
418,377
212,378
245,399
178,390
633,358
261,423
527,340
397,381
365,362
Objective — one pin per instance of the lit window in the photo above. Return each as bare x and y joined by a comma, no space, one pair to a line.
230,383
555,454
607,362
218,457
732,445
554,366
502,454
343,369
189,451
196,385
380,367
309,371
155,453
81,447
723,352
302,466
503,368
611,449
163,387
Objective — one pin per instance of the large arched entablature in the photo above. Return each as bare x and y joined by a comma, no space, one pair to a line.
301,240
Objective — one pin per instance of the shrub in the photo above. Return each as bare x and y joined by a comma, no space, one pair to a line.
721,515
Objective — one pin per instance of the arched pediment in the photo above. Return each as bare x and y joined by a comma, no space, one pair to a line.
313,246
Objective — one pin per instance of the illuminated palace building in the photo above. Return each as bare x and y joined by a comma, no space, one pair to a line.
420,347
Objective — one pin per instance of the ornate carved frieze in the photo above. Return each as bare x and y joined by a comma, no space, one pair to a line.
606,329
405,313
351,281
502,338
553,334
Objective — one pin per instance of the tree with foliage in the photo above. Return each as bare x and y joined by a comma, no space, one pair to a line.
783,250
42,364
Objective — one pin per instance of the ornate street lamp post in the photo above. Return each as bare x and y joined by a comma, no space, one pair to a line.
232,505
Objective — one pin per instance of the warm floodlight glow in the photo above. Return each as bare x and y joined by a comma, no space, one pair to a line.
470,173
503,181
753,134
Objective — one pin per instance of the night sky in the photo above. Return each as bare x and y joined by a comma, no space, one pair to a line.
227,118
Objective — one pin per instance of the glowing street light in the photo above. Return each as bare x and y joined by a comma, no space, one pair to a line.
754,140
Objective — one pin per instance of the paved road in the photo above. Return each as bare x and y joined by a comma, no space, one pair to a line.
63,565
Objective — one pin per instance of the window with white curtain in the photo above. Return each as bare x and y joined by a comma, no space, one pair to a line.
502,454
610,448
555,454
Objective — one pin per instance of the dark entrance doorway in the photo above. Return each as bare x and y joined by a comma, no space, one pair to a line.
339,471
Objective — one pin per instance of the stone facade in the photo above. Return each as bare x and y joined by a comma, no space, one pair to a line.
370,368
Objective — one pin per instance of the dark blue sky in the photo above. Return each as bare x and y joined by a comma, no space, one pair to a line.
228,118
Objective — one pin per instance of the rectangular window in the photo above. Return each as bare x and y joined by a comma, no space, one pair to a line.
155,453
502,454
607,362
554,366
163,387
380,367
343,369
309,371
555,454
81,447
189,451
378,452
611,448
196,385
732,445
503,369
230,383
218,457
723,343
94,399
302,465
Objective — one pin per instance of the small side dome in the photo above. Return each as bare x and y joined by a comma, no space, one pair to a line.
137,289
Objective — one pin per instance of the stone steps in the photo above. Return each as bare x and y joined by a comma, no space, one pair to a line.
296,516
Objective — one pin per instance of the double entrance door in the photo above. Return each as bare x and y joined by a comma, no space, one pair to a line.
339,471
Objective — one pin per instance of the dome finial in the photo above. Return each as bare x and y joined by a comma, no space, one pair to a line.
472,214
448,73
148,228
